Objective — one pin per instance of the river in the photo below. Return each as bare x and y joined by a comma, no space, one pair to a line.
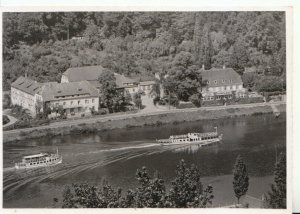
115,155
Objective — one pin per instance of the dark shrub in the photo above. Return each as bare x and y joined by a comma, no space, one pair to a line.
5,120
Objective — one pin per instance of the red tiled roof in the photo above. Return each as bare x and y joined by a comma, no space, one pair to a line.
221,77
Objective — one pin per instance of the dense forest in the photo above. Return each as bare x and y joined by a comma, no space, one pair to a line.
143,43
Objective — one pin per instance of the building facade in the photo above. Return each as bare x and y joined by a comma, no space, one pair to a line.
91,74
23,93
74,98
221,84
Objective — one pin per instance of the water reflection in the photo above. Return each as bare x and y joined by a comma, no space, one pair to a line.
194,148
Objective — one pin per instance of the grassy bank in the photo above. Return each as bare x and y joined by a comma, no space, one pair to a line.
152,120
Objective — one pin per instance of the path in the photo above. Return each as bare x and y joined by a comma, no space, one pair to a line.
12,119
147,101
133,115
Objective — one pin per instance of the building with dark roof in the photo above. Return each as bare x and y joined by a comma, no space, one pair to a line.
221,83
73,97
92,73
23,92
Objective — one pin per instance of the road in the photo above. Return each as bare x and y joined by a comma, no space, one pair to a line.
133,115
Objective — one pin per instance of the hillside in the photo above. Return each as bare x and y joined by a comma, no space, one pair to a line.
142,43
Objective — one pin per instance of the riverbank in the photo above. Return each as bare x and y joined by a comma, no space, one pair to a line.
137,120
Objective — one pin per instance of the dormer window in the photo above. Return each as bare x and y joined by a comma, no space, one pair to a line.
208,82
215,81
58,92
79,89
223,81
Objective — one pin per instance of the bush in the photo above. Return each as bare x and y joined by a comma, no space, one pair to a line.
183,105
156,100
5,120
6,101
103,111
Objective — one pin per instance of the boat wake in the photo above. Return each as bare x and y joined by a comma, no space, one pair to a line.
72,165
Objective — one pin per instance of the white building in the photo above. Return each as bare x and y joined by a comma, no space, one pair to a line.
221,83
76,97
23,93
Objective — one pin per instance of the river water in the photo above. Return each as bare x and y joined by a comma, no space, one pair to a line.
115,155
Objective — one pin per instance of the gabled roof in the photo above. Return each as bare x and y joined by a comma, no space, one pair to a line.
26,85
54,90
222,76
83,73
123,81
147,83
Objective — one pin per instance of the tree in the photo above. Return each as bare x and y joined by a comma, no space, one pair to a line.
125,27
108,88
184,79
137,99
239,56
151,192
187,189
240,178
276,198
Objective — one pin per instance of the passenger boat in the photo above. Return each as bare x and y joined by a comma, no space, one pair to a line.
39,160
202,139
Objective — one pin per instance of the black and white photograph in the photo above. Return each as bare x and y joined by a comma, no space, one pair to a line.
145,109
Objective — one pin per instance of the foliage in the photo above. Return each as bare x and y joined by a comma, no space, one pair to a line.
5,119
137,99
276,198
240,178
6,100
186,191
183,79
110,96
142,43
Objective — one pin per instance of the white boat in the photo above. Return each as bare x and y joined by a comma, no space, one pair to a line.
39,160
202,139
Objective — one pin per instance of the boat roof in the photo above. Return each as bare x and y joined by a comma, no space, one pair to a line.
35,156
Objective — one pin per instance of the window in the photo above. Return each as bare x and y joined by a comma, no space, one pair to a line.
93,100
64,103
71,102
215,81
223,81
78,102
208,82
86,101
56,104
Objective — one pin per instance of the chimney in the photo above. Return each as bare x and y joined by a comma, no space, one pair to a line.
224,66
203,67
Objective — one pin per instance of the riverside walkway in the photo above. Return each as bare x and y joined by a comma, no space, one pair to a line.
112,117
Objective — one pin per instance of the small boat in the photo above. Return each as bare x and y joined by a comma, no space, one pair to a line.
39,160
203,139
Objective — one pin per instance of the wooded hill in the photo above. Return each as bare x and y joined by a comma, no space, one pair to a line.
143,43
